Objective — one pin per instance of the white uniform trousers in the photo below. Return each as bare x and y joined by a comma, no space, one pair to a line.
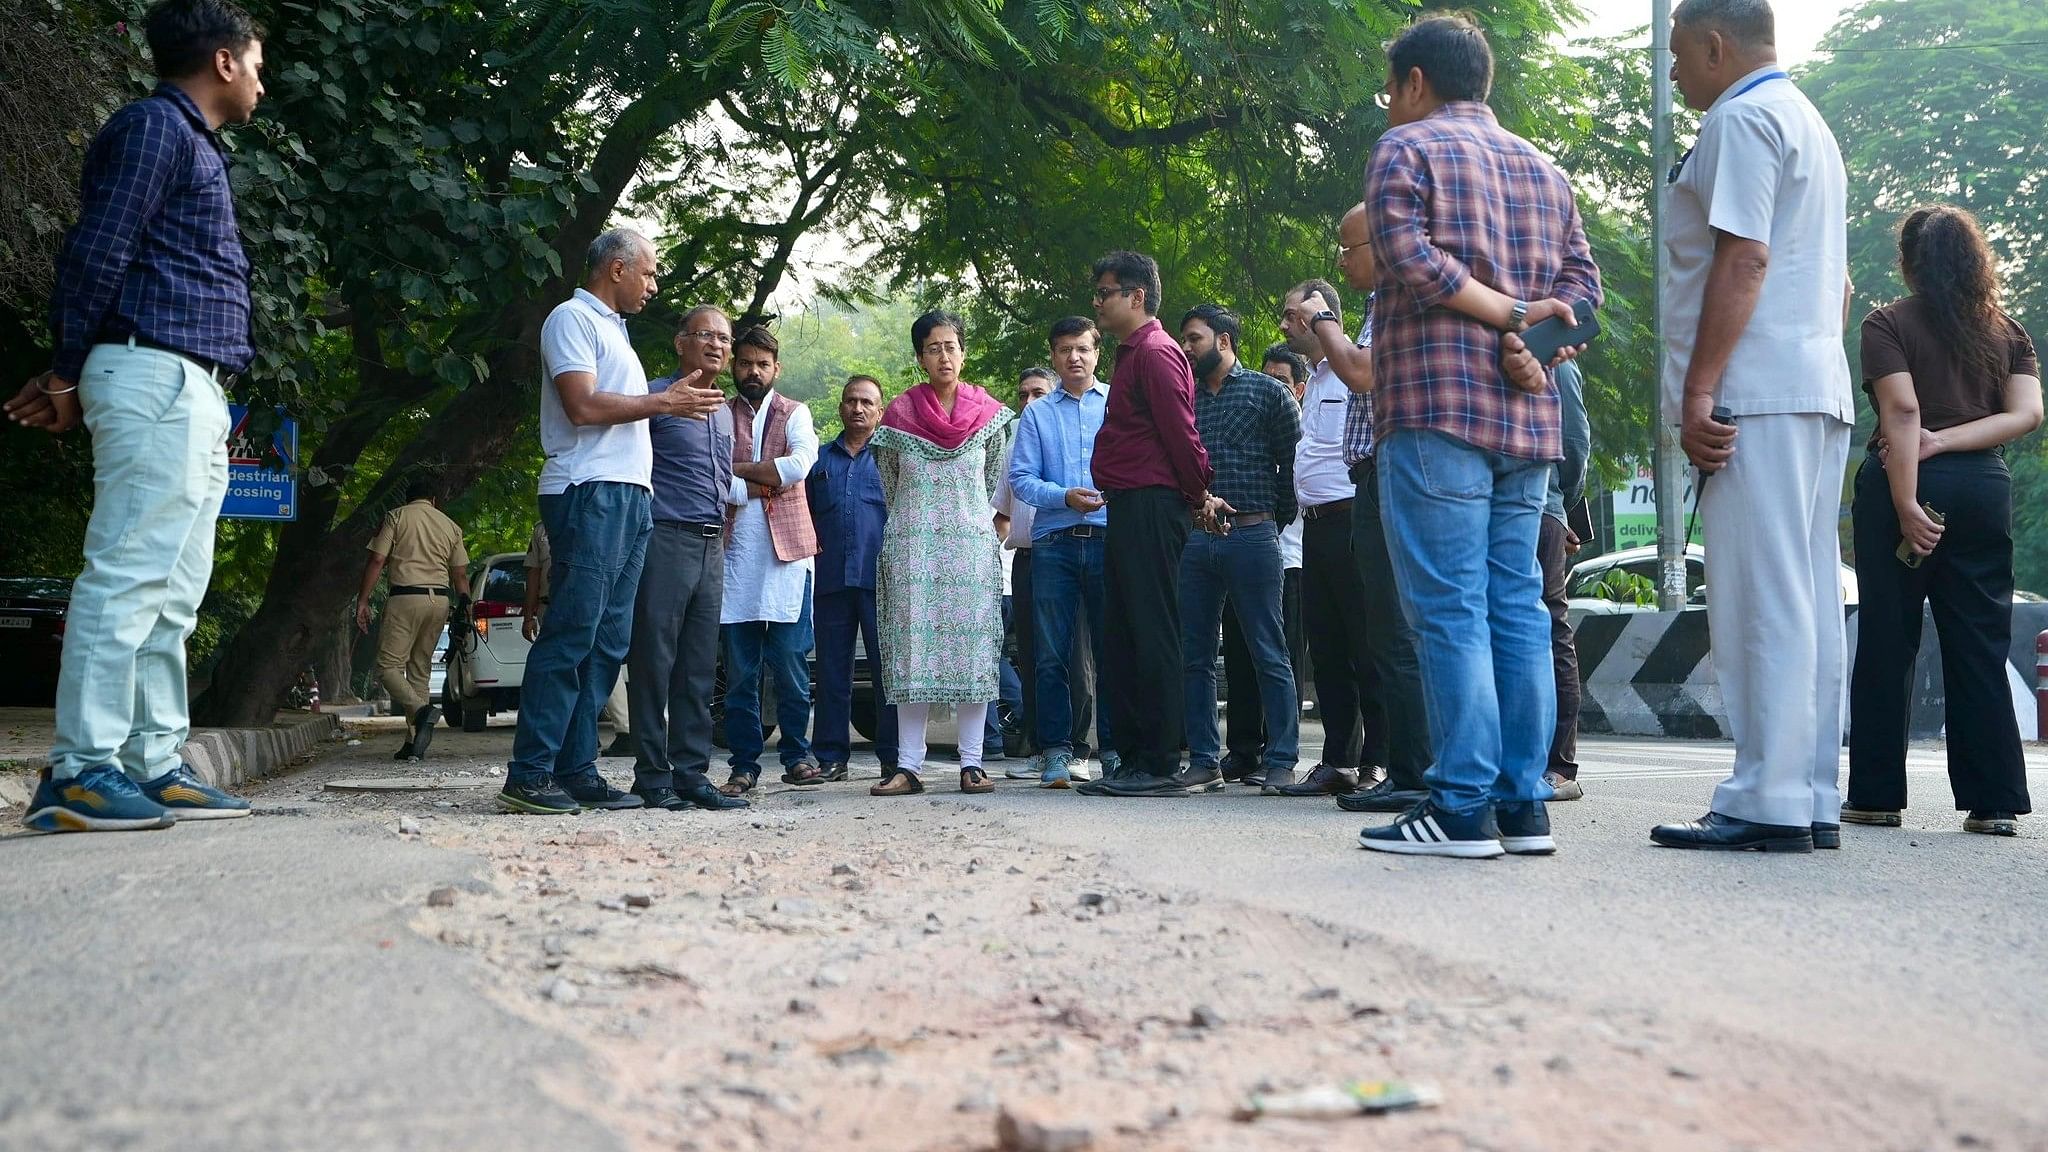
1774,616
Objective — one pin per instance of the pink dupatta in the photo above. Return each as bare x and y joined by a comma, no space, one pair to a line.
918,413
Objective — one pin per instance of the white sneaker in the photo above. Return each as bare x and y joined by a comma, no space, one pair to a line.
1078,770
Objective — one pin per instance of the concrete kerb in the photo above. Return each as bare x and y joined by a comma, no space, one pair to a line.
228,757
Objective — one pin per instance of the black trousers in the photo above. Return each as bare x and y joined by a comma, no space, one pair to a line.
1968,582
1141,673
1333,613
1389,637
1564,651
673,662
1243,713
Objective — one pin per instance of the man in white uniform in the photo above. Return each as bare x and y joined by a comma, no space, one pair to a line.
1754,312
770,541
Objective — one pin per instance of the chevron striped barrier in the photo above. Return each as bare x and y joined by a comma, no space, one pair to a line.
1652,674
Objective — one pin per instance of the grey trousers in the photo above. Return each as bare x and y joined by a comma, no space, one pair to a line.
673,665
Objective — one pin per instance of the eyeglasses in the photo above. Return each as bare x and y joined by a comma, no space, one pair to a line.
941,349
710,337
1102,294
1344,249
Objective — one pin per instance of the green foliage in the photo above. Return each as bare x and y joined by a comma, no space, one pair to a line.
1625,588
1921,120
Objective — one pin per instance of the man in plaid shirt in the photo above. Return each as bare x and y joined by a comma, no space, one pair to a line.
1249,424
1475,235
150,319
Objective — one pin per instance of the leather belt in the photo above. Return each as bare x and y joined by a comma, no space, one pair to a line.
707,531
1084,532
221,375
418,590
1318,511
1247,519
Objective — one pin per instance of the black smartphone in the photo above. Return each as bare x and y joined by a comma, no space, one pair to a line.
1545,338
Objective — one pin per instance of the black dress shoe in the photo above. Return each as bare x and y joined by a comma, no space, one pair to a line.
1237,769
1100,785
591,790
404,751
1717,833
704,794
1322,780
622,746
831,771
1384,796
1827,835
663,798
1198,780
423,722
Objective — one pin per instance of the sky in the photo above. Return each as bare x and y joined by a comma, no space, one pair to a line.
1801,23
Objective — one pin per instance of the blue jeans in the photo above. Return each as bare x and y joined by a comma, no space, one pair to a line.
159,429
599,533
1066,577
840,617
1461,526
748,645
1244,566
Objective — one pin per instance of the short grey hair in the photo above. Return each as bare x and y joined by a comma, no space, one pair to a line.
614,244
1747,22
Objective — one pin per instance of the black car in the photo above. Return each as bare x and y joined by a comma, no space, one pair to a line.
32,610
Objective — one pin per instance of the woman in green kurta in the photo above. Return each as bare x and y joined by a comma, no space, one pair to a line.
939,583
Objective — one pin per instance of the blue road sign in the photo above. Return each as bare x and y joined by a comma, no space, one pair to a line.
261,485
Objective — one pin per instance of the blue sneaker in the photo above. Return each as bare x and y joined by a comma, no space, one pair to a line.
1427,830
1057,773
1524,828
187,797
100,799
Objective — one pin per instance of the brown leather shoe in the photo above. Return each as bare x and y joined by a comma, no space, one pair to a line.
898,783
975,781
1323,780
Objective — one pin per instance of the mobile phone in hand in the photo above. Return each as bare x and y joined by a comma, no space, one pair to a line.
1546,338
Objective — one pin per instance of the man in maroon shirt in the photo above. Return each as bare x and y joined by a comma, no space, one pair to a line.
1151,468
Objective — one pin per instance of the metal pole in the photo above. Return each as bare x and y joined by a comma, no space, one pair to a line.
1669,464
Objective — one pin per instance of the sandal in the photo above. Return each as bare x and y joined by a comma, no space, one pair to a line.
803,774
897,782
973,780
740,782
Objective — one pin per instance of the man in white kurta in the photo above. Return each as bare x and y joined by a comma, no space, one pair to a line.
769,545
1755,305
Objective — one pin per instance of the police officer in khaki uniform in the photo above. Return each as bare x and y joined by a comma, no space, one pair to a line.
424,550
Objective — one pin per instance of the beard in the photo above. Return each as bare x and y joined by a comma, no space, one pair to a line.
752,387
1206,364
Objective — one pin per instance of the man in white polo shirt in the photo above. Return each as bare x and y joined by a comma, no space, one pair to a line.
594,492
1753,316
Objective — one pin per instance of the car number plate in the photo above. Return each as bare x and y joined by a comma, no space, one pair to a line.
22,622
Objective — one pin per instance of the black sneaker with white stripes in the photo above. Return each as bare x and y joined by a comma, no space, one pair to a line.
1426,830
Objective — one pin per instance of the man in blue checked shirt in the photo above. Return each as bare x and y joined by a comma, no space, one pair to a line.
150,319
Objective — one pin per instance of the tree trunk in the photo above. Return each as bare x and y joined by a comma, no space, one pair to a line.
333,658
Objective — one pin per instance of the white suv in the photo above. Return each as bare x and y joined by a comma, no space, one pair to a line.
487,666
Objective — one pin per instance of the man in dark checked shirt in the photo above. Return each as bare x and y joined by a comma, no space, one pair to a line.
150,319
1475,235
1249,424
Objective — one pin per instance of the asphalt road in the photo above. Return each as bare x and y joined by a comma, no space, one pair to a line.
254,984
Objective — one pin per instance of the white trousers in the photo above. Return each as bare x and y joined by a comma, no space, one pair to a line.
1774,616
911,720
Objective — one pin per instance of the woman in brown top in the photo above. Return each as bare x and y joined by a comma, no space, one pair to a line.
1954,380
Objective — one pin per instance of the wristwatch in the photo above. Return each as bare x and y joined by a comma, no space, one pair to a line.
1319,317
1518,313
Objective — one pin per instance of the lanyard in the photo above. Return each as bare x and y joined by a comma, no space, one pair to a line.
1766,78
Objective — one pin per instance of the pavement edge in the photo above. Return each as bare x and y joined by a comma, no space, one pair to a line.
226,757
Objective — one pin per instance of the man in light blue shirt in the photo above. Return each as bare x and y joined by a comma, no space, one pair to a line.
1051,464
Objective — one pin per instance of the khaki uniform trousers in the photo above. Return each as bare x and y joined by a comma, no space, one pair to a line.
405,648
